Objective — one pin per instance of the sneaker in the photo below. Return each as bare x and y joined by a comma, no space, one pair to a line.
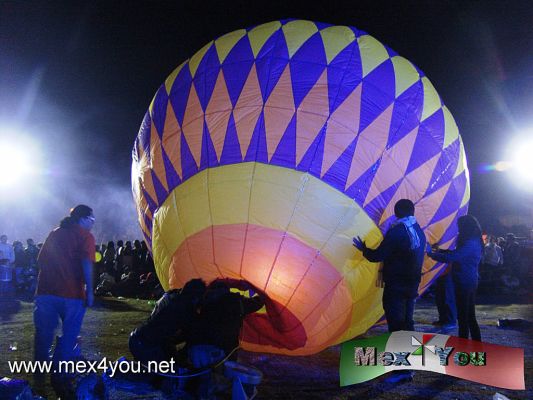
448,327
400,377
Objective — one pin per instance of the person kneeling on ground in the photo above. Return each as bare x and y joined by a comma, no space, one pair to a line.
221,317
216,331
168,325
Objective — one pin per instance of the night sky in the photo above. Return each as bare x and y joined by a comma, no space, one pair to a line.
77,78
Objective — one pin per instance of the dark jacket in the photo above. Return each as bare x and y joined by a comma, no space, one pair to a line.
170,320
402,266
220,320
466,259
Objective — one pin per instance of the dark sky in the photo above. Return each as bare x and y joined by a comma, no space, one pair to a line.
78,77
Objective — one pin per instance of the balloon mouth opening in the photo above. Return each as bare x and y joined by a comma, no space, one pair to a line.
274,325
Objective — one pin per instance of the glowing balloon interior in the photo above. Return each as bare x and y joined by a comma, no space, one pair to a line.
261,157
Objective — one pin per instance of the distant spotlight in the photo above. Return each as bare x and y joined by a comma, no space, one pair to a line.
19,158
14,165
521,155
523,160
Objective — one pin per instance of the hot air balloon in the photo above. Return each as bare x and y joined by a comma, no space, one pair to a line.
262,155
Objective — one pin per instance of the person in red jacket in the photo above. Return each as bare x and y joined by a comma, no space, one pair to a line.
65,286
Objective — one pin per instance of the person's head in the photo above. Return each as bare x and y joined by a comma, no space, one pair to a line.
3,239
120,243
137,244
216,289
492,239
30,242
110,245
469,228
128,244
81,215
195,288
17,245
510,237
404,208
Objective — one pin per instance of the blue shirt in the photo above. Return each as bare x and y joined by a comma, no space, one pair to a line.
466,260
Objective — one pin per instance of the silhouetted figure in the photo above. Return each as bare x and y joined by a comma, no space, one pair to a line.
465,259
402,254
168,325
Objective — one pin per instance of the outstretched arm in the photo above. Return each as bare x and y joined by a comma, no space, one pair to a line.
381,252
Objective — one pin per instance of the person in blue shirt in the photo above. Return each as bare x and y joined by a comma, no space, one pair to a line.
402,254
465,258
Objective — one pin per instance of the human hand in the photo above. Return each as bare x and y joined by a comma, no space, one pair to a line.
358,243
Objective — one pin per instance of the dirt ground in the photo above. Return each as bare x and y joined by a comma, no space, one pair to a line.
107,326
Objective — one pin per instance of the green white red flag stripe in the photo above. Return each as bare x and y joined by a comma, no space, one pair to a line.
503,366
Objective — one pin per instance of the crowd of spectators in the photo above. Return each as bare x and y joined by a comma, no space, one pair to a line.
506,263
123,269
126,270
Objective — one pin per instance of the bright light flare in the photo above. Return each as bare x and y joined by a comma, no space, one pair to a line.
19,159
14,165
521,157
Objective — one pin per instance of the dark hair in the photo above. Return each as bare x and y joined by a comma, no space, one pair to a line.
404,208
469,228
195,287
76,213
215,290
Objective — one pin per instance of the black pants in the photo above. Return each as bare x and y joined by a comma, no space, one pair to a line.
146,352
465,299
399,306
445,299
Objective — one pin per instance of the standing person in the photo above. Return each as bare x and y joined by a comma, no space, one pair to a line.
109,258
32,251
466,258
491,260
445,301
65,286
20,264
7,259
402,254
511,253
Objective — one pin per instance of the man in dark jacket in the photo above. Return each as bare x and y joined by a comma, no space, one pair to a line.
168,325
402,253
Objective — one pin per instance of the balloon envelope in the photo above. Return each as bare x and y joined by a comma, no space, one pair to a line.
261,157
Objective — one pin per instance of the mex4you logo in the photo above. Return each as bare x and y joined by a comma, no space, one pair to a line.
365,356
487,363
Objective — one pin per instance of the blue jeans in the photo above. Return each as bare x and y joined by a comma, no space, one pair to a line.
48,310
